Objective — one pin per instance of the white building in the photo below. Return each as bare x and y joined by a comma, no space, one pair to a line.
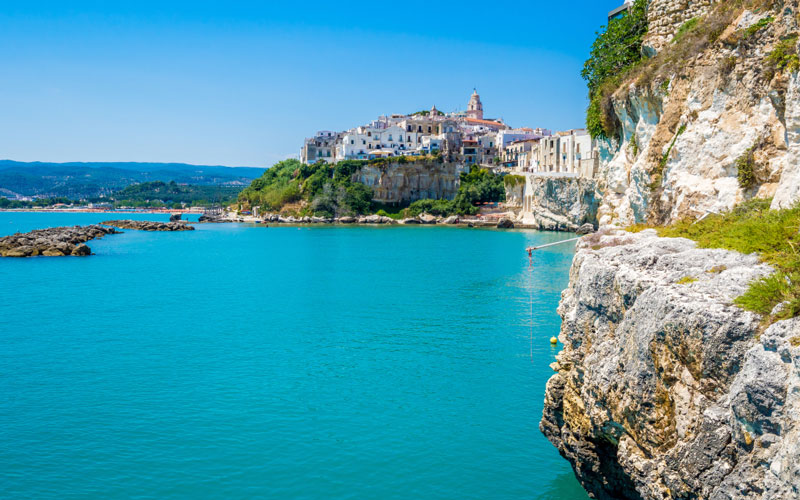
321,147
506,137
360,143
570,153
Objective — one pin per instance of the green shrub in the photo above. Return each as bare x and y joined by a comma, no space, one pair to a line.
745,170
755,28
784,55
753,228
513,180
615,50
685,28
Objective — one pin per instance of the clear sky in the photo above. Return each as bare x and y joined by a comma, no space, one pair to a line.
241,83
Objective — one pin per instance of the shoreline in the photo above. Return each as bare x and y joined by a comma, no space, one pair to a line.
101,211
477,222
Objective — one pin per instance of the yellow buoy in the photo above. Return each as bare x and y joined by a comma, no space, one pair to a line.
553,340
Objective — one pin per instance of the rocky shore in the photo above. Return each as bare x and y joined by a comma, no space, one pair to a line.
422,219
147,225
664,388
53,242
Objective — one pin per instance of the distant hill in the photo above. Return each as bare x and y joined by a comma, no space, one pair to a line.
86,180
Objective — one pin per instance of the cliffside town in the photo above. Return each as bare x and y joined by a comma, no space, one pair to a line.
460,140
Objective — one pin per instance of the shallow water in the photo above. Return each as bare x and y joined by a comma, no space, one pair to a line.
240,361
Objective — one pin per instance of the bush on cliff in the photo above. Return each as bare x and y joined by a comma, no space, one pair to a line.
614,51
326,190
479,185
753,227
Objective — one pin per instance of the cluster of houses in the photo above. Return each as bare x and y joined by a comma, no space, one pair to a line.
465,138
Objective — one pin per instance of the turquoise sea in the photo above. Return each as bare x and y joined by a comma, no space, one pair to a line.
240,361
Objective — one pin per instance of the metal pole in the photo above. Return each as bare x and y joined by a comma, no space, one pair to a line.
530,249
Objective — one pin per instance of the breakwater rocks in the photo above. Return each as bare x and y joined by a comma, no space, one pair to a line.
53,242
147,225
664,388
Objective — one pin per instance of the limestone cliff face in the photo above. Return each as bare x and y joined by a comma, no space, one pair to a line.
665,389
683,131
397,182
558,203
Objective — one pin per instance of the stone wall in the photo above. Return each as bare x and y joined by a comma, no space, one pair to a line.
401,182
664,17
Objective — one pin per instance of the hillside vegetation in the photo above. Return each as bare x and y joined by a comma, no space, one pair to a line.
327,190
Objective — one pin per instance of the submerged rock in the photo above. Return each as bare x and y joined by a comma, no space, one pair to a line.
664,388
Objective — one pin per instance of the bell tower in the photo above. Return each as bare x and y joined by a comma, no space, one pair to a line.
475,107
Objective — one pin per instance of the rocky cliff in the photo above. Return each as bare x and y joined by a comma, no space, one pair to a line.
397,182
664,389
556,203
712,120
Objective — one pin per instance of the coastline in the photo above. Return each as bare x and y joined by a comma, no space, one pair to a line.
257,221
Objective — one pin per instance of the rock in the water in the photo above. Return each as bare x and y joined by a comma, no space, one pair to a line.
585,229
372,219
453,219
409,221
505,223
664,388
52,242
81,250
175,217
427,219
346,220
148,225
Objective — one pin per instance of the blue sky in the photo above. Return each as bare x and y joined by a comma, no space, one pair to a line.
241,83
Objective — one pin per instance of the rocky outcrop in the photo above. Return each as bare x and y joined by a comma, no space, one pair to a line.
147,225
693,118
411,181
175,217
664,388
559,203
53,242
505,223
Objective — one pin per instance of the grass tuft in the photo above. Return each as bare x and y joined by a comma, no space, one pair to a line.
753,228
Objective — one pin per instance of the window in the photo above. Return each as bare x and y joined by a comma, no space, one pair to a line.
352,141
369,134
429,129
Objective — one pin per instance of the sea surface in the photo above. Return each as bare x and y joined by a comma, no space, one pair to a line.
240,361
